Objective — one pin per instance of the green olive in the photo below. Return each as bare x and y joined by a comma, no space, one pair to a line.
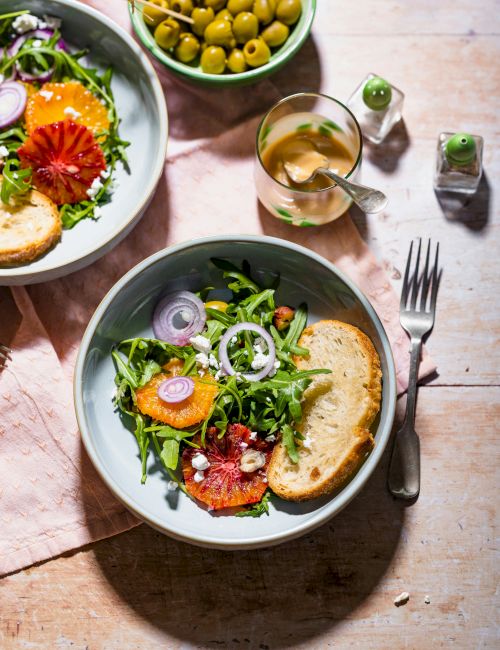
256,52
167,33
184,7
237,6
224,14
275,34
288,11
264,10
245,27
215,4
236,61
202,17
213,60
219,32
154,16
187,48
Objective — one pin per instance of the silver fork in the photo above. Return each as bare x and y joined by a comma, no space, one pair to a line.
417,318
4,354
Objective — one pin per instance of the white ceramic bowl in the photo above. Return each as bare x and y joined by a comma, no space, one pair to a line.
126,312
144,123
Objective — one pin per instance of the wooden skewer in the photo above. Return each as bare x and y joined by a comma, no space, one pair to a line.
168,12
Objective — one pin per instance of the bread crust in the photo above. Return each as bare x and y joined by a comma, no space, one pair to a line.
364,441
38,243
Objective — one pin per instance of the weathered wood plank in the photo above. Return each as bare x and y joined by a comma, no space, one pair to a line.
333,588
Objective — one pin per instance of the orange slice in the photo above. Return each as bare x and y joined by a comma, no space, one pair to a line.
56,102
224,485
183,414
65,159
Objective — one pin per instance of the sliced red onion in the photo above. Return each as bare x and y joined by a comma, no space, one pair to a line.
247,327
43,35
176,389
13,98
188,309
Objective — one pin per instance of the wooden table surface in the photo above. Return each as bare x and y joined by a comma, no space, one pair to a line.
335,587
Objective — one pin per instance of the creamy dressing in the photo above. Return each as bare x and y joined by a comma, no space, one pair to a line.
305,151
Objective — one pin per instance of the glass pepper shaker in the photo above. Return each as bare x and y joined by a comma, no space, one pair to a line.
377,106
459,164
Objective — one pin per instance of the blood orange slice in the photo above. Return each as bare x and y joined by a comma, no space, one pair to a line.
65,158
192,410
55,102
224,484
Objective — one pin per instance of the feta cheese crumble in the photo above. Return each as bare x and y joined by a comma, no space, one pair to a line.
200,462
94,188
201,343
199,476
172,486
202,360
97,212
212,362
4,152
37,43
307,442
25,23
271,437
253,435
260,361
46,94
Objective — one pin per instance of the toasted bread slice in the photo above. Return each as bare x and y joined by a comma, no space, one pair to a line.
338,409
29,225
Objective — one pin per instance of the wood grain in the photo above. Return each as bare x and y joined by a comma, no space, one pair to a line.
335,587
332,588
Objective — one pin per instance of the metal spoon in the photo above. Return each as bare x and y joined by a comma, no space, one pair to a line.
366,198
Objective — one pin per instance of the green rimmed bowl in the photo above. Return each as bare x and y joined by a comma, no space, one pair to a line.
193,72
125,312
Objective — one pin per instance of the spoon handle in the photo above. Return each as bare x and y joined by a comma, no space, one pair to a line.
366,198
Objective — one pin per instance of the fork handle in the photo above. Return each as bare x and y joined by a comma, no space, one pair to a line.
411,394
404,468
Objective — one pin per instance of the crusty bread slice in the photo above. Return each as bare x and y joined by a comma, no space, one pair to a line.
29,225
338,409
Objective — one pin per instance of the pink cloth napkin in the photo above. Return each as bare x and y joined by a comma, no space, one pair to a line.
51,499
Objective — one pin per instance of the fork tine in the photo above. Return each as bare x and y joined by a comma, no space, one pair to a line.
436,275
415,283
426,278
404,291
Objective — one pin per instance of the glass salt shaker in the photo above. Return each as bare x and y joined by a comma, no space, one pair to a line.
459,164
377,106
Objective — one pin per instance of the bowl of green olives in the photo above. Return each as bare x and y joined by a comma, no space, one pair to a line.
225,42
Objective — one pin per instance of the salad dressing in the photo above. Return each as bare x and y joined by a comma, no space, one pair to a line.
306,151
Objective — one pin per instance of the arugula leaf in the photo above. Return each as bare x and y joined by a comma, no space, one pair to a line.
288,438
257,509
15,181
170,453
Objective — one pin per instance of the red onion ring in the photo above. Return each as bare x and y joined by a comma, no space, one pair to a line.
44,35
247,327
176,389
13,98
189,307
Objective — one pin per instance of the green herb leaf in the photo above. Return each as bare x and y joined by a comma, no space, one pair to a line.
257,509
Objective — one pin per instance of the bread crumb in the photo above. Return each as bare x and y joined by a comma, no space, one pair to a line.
402,599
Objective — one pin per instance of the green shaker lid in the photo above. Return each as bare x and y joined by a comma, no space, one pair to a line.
377,93
460,149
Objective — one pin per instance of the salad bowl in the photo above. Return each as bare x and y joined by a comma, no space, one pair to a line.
125,313
141,109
